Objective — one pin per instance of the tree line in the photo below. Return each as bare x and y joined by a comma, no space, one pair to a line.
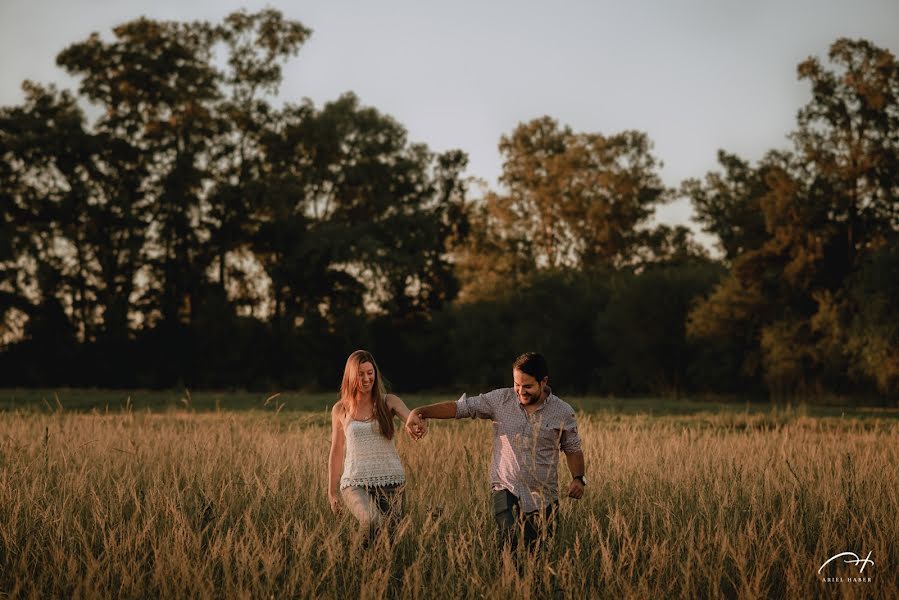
168,224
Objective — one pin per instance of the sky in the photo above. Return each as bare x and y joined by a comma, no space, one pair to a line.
695,75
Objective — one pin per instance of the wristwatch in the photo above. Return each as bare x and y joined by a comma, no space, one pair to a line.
582,478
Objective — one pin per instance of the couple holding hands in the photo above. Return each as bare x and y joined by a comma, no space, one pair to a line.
531,426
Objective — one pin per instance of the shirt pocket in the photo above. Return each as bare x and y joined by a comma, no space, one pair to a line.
548,440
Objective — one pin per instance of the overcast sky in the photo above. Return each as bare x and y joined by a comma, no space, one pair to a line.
696,75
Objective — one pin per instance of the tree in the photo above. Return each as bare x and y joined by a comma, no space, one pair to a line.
827,206
256,46
578,199
156,84
872,323
193,145
666,245
552,310
727,205
120,221
50,182
847,136
355,218
641,331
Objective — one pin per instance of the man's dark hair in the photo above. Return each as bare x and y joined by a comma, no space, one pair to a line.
533,364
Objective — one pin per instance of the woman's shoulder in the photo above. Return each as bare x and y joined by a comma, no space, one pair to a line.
339,409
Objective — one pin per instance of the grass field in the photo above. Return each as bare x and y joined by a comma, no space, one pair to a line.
177,495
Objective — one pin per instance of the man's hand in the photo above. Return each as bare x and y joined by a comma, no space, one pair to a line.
416,425
575,489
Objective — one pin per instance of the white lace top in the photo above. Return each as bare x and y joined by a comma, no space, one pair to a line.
371,459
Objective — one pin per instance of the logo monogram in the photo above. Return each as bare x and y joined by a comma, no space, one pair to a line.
855,560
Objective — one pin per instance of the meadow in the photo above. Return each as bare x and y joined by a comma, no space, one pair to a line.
131,495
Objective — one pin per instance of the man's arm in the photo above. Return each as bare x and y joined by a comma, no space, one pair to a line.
570,444
475,407
575,462
440,410
416,424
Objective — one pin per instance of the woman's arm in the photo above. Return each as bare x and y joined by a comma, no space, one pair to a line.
335,457
399,408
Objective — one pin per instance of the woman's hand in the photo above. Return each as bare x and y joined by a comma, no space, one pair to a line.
334,501
416,425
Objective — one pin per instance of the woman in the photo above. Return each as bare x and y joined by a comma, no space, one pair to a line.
363,459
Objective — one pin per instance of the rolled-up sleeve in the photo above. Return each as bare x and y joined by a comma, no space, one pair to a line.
570,440
482,406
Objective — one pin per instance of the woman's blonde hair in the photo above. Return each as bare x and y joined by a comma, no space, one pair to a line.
350,387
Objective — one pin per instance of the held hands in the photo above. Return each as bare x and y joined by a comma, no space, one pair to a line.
416,425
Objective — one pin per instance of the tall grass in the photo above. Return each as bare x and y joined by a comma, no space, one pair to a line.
225,504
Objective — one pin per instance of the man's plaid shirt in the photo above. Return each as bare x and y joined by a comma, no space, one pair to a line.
525,447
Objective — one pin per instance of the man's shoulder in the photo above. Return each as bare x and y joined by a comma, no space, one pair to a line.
496,397
503,394
561,405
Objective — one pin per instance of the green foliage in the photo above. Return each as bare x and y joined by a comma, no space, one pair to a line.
191,203
872,335
353,217
578,199
552,311
827,207
726,204
641,332
196,234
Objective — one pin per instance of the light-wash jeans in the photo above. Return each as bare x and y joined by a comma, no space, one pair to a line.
374,507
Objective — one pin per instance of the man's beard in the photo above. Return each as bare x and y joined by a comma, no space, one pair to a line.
530,399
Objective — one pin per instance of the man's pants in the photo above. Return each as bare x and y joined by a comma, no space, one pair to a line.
535,527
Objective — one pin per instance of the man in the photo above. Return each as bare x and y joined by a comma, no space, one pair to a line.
531,425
